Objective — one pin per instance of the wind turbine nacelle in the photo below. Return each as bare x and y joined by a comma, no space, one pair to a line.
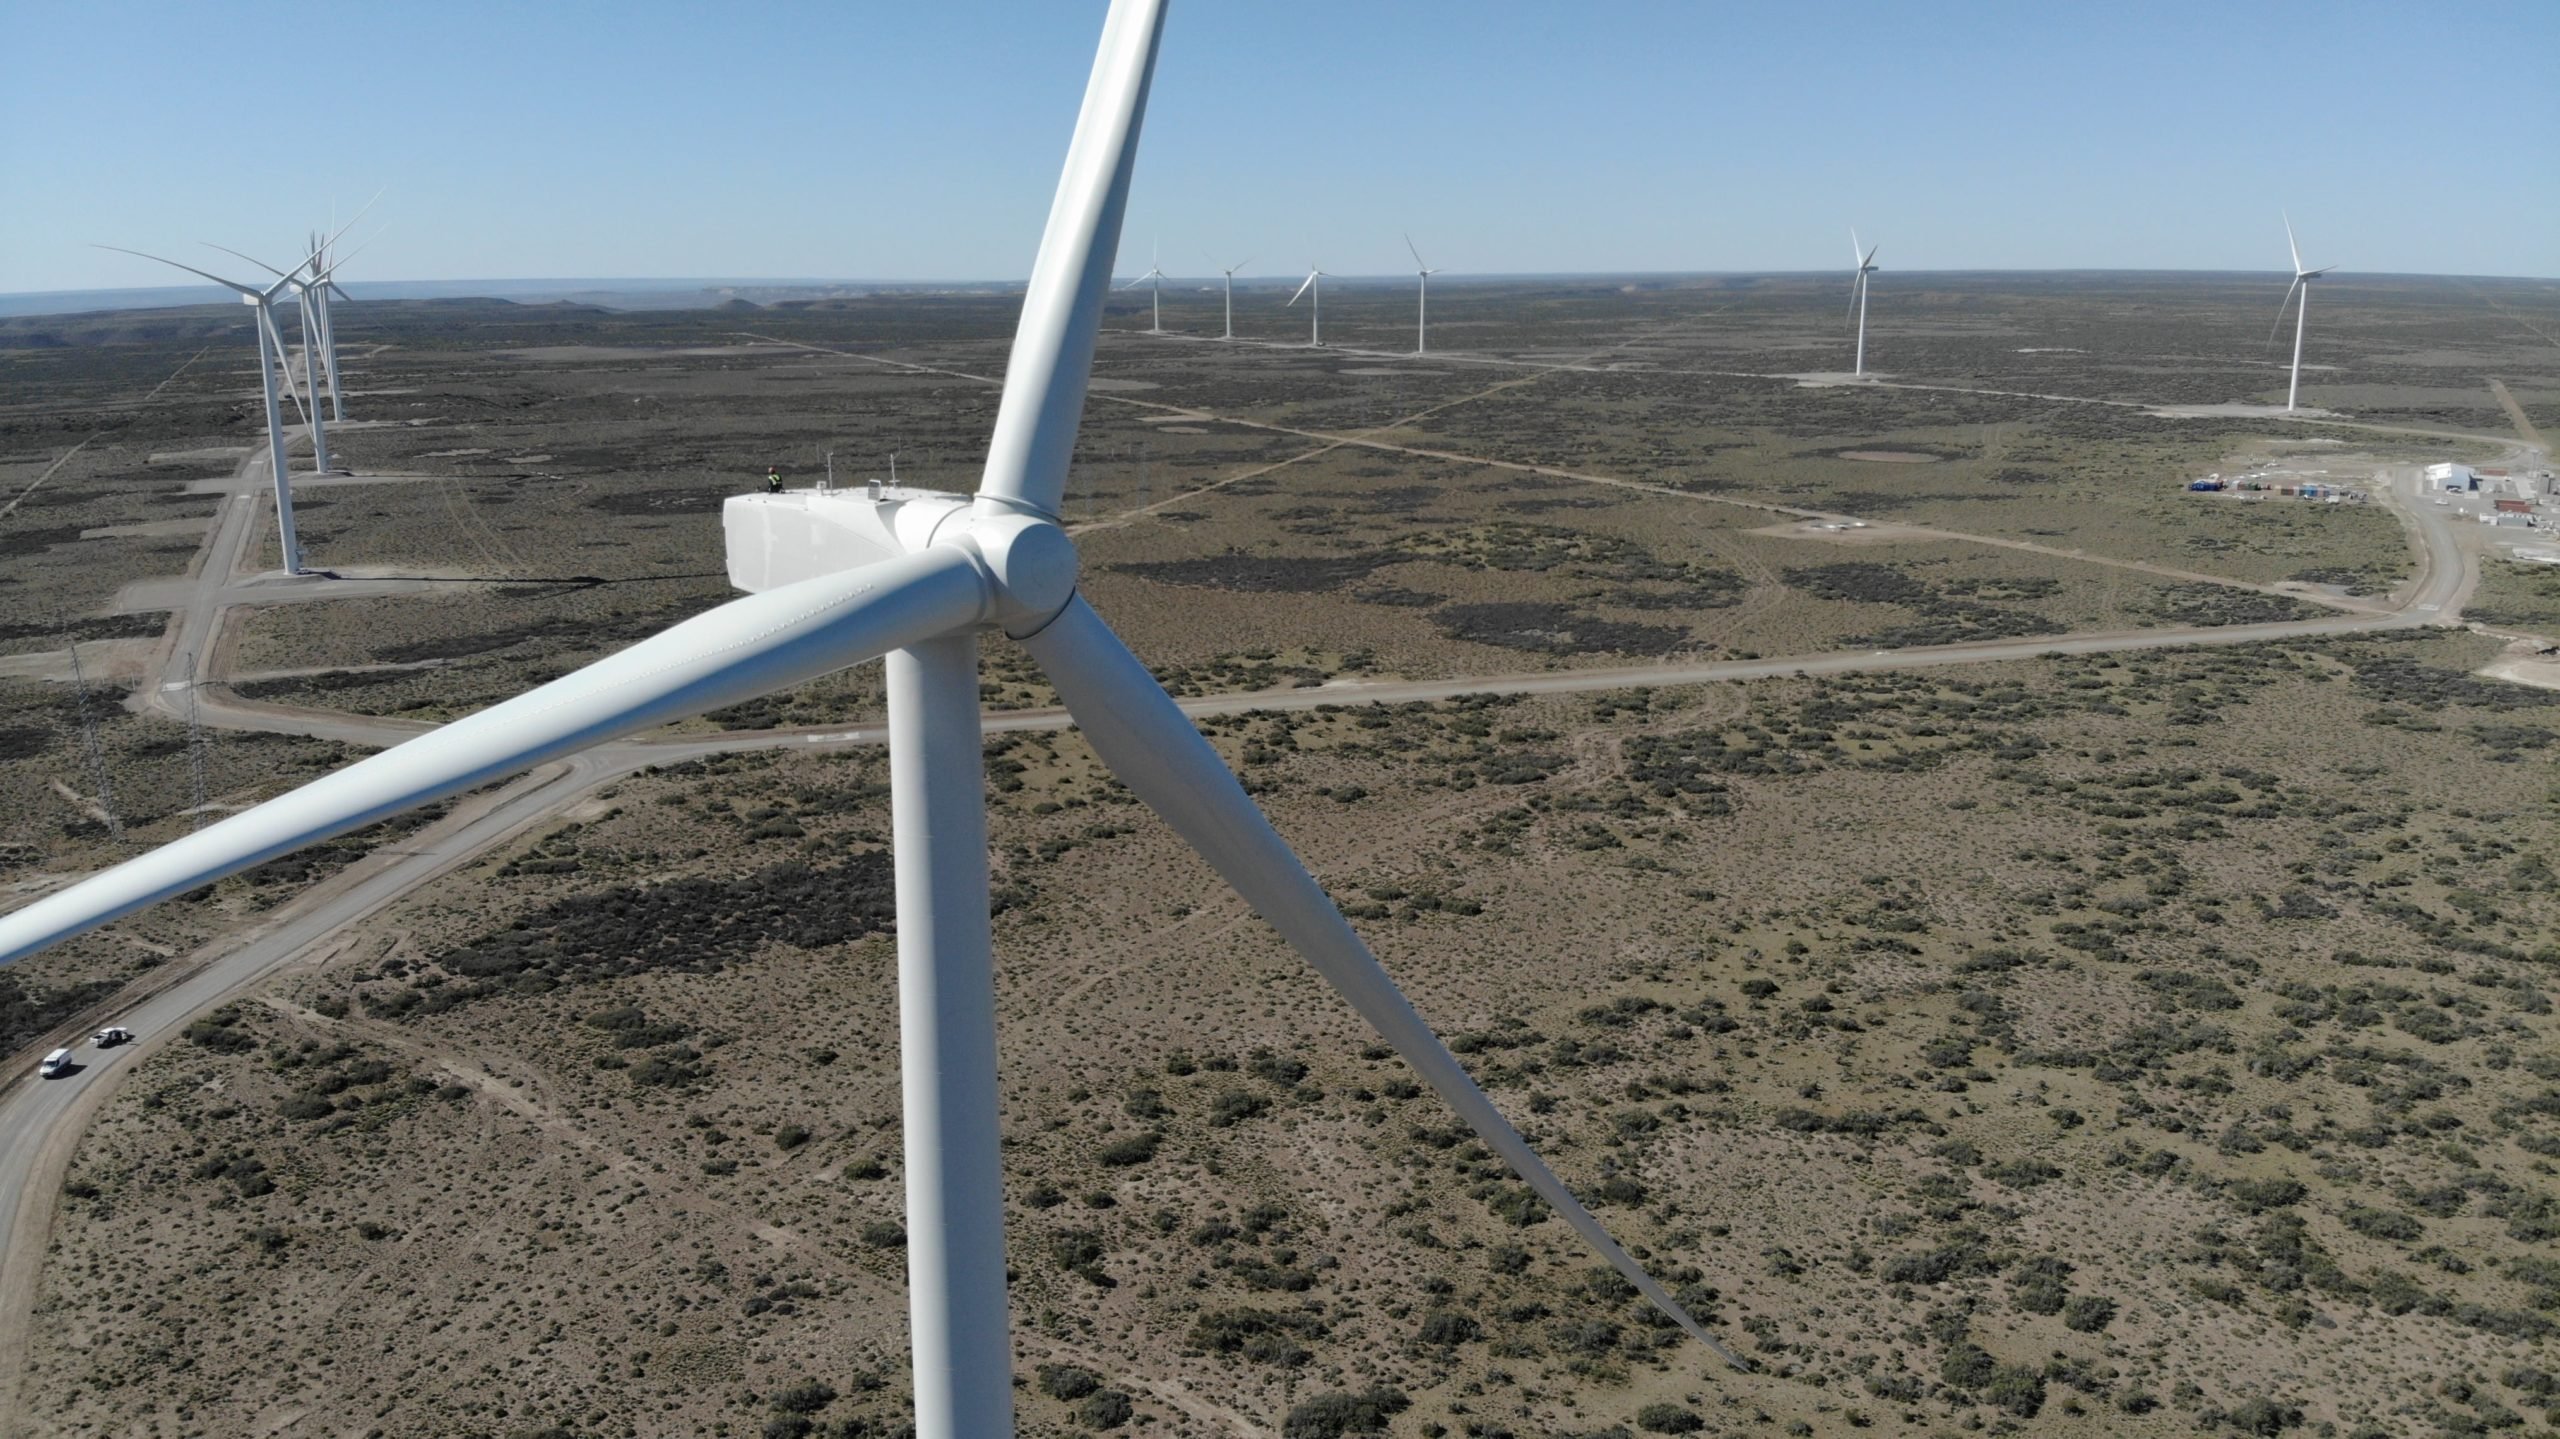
777,540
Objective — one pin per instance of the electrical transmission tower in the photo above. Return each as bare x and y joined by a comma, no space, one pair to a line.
89,742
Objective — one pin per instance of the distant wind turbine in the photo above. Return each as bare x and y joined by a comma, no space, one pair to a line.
1422,309
270,355
1230,273
1315,312
311,281
1865,259
1155,274
2302,279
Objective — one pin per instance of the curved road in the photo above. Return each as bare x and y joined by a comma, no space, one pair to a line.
41,1122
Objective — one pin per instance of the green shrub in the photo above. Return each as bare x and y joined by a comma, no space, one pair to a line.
215,1032
1276,1069
1967,1366
1136,1149
2017,1389
1234,1107
1442,1326
2381,1223
1107,1410
2265,1416
1260,1335
806,1397
1330,1416
1669,1419
2088,1314
1066,1381
2256,1196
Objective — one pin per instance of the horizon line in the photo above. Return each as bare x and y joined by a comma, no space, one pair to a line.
22,304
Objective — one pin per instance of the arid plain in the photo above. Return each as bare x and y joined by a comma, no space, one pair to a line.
2142,1039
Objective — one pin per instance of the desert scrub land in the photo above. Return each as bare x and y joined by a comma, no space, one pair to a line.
558,472
2525,597
2106,1046
2146,1045
57,823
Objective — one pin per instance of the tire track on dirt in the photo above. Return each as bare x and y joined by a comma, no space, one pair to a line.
2523,422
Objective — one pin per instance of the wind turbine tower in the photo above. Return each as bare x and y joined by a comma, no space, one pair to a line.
1865,259
916,577
1315,312
319,283
1230,273
310,284
270,355
1422,307
1155,278
2302,279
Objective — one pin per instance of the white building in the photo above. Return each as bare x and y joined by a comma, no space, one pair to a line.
2451,477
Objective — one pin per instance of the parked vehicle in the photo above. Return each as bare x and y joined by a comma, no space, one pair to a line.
111,1036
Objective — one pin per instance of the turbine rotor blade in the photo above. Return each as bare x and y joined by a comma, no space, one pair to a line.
1419,263
321,247
1154,749
2291,244
1052,357
190,269
2281,306
1869,263
340,263
1856,247
742,649
252,259
284,360
1302,287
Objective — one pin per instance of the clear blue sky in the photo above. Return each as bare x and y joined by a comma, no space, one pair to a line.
921,140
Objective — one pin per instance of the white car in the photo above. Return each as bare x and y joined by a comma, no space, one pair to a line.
111,1036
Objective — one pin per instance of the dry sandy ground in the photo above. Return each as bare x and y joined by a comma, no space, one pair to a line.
1725,994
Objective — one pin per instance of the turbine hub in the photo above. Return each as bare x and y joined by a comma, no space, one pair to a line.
1032,564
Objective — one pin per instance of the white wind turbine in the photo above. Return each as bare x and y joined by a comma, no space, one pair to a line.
2302,279
1230,273
311,281
270,355
1864,258
1422,306
913,576
323,270
320,282
1154,275
1315,312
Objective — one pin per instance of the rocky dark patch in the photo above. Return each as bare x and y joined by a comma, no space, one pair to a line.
1259,574
1555,629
